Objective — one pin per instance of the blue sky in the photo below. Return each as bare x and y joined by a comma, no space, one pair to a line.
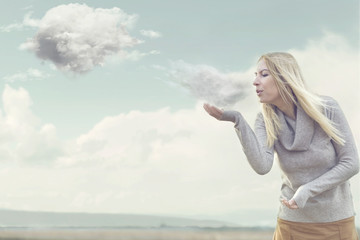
121,129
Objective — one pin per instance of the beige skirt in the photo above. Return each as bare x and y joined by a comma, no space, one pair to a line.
340,230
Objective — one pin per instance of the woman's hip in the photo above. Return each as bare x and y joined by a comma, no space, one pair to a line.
339,230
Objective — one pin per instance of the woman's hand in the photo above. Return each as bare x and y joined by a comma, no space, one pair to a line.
213,111
290,204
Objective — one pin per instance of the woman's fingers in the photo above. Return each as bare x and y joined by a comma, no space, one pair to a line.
213,111
293,204
285,202
290,204
206,107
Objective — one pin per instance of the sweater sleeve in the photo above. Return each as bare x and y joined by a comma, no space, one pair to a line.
253,143
347,160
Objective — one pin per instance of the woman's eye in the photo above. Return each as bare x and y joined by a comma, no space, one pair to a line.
265,75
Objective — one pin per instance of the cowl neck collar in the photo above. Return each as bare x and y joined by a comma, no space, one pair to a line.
296,135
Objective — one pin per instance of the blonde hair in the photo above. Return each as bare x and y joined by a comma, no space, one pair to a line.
290,83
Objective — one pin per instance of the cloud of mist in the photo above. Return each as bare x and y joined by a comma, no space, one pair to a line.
207,83
76,37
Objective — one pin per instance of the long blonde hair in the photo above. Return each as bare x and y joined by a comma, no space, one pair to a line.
290,83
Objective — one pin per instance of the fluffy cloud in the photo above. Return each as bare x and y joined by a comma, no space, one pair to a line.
29,74
77,38
138,159
140,162
156,159
209,84
23,137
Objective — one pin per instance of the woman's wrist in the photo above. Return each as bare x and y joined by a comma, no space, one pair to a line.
229,116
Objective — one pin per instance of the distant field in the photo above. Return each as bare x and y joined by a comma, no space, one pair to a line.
135,234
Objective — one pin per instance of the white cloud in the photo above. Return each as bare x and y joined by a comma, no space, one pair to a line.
209,84
150,33
156,159
23,137
78,44
29,74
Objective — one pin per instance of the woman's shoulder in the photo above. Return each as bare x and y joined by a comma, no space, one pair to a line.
328,100
331,106
259,116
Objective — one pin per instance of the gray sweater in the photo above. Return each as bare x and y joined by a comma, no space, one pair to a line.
315,169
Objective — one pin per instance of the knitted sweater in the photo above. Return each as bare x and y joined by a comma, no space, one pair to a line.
315,169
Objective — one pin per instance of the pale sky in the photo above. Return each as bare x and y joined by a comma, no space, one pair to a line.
101,107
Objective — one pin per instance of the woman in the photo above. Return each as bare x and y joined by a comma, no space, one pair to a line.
315,148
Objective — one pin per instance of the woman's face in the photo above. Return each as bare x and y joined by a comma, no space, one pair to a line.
265,85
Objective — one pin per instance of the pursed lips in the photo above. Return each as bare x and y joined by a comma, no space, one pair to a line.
259,91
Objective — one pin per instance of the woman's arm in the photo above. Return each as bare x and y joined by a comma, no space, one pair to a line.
347,156
254,144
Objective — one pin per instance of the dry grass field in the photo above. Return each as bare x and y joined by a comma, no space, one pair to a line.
134,234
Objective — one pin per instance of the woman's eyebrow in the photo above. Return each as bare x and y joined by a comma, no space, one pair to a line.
262,71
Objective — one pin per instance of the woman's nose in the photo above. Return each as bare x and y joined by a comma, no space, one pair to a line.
256,81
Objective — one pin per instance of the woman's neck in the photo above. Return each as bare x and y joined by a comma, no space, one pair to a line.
288,109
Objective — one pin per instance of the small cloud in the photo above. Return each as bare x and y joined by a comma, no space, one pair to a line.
28,75
209,84
150,33
78,44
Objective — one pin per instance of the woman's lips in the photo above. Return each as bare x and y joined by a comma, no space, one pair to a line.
258,92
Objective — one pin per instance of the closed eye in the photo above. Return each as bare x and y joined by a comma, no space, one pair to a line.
264,73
